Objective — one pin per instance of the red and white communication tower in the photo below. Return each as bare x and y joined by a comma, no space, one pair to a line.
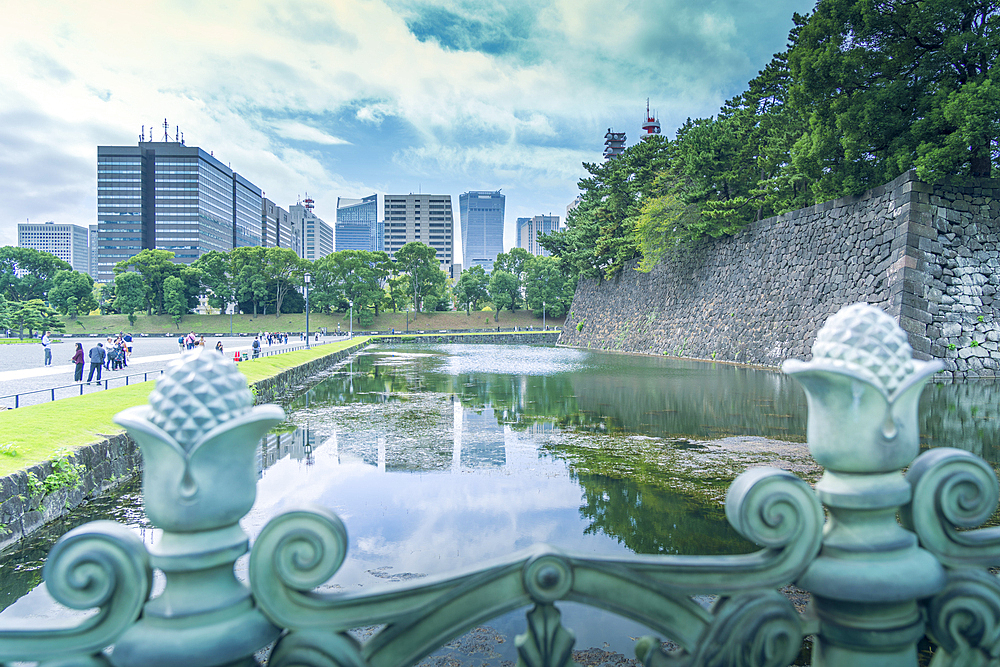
308,202
652,125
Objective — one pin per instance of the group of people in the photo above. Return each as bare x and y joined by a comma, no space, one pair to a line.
113,357
190,342
272,337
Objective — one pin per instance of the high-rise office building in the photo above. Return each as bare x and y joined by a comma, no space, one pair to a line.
481,216
316,237
424,218
357,225
92,237
275,226
67,242
169,196
530,229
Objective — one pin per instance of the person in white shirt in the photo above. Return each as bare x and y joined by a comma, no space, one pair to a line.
46,342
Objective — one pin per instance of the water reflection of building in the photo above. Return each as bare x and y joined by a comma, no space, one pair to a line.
299,444
480,441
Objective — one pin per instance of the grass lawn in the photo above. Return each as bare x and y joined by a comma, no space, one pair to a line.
37,432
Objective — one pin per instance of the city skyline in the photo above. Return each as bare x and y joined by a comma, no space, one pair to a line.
361,96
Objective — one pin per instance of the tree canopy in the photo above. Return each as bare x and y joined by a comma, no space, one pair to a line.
864,92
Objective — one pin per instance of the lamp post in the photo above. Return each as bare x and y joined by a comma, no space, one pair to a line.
350,335
308,279
543,316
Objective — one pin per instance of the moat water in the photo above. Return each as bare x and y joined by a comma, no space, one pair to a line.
442,458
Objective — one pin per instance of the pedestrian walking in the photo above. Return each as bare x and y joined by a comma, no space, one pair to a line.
218,347
256,347
97,357
78,360
46,342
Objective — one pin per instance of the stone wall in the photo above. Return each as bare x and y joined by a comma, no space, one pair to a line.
926,254
101,467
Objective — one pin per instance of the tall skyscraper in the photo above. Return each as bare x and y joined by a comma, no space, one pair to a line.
67,242
169,196
316,236
482,227
275,226
529,229
92,237
357,225
424,218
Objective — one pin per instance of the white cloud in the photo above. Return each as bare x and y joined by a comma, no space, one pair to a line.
253,84
300,132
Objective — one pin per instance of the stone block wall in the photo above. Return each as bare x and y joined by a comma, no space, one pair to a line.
926,254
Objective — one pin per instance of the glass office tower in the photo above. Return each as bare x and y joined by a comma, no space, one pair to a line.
357,226
529,230
481,215
169,196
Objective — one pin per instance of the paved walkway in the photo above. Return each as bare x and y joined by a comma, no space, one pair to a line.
27,374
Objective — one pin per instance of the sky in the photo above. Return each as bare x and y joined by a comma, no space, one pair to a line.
345,98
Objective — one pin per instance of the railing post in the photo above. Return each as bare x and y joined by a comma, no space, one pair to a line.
53,390
863,387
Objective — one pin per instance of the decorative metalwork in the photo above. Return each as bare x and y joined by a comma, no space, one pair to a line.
878,585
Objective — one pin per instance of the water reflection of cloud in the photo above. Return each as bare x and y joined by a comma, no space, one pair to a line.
512,359
433,522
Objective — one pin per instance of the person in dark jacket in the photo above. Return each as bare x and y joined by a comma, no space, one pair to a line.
97,356
78,360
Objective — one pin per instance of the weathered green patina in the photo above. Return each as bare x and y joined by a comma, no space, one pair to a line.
878,585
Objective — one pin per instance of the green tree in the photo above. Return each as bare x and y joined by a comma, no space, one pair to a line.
72,292
248,265
175,298
217,278
505,292
155,266
888,86
472,288
515,262
130,294
34,315
599,238
5,314
546,282
283,269
419,262
26,273
397,292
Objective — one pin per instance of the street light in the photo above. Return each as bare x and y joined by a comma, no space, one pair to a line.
351,334
543,316
308,279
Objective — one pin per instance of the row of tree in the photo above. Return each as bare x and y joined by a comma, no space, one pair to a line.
37,286
864,92
272,280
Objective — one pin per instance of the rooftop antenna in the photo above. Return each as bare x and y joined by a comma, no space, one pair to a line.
142,135
177,133
166,130
182,138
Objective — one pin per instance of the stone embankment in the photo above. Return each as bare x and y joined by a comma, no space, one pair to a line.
929,255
